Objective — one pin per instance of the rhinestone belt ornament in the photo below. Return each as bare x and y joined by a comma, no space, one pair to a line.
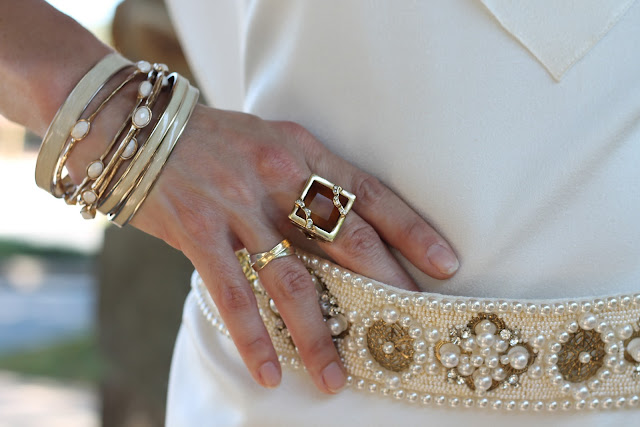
437,350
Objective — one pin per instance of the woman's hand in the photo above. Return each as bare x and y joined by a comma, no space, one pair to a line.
231,183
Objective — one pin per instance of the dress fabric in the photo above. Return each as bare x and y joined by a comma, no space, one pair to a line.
532,178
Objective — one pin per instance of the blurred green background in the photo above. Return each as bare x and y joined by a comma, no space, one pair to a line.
88,313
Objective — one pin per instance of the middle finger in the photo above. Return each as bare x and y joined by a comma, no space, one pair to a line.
289,284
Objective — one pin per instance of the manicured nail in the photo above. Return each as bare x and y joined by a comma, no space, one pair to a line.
269,374
443,259
333,377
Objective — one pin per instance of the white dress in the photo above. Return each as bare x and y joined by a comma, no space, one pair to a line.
515,131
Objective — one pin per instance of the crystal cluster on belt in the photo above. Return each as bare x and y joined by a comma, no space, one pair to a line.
485,354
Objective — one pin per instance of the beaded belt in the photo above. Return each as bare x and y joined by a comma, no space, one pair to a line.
440,350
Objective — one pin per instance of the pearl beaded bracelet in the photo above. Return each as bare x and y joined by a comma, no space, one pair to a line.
439,350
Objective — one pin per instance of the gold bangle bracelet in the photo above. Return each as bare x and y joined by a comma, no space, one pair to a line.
144,186
125,135
93,172
134,129
99,186
126,183
58,180
57,134
72,199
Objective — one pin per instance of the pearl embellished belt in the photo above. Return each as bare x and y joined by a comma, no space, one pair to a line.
440,350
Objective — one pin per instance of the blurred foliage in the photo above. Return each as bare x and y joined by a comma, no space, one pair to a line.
14,247
74,359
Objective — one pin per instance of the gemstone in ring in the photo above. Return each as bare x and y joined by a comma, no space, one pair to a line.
321,208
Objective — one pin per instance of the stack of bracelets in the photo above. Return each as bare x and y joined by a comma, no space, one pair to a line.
136,163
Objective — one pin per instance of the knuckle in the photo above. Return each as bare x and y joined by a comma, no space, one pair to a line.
319,348
360,239
368,189
304,139
293,283
233,298
192,222
237,190
245,120
195,225
277,162
296,130
255,347
416,230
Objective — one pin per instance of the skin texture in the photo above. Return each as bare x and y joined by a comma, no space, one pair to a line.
230,183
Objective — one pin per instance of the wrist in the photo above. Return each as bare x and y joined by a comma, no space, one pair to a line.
40,67
50,93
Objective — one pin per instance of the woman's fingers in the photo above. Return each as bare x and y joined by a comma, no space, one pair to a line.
289,284
237,305
397,224
359,248
243,191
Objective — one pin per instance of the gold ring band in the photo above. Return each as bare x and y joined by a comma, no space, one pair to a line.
280,250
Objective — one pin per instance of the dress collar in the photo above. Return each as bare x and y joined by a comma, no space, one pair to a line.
558,33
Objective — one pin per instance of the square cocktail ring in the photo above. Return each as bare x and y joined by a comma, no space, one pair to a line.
321,208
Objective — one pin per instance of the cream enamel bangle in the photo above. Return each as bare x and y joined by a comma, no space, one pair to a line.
66,117
119,200
144,186
140,161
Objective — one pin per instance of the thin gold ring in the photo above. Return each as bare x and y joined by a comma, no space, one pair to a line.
280,250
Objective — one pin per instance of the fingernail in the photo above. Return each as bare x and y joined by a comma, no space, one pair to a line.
443,259
333,377
269,374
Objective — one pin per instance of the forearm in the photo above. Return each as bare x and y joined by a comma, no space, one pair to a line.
43,54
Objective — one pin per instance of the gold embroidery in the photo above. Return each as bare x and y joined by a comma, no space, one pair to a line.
572,363
390,345
245,263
